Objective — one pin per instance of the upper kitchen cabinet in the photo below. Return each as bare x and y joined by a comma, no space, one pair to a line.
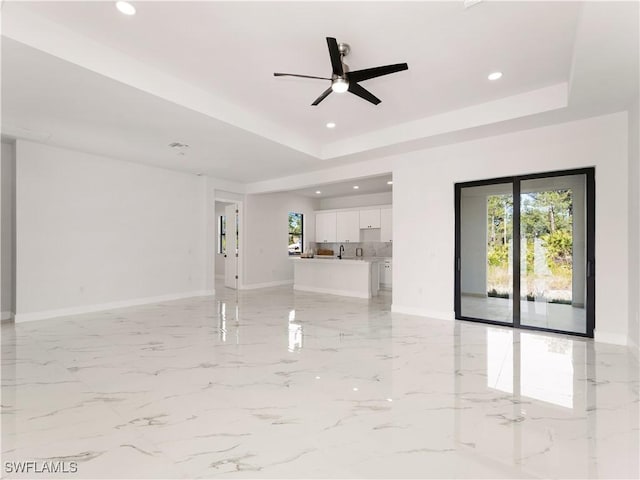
347,229
386,225
370,218
326,227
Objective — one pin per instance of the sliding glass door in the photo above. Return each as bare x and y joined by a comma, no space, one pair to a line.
486,253
553,262
529,238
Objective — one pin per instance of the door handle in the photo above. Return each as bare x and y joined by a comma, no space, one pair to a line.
590,269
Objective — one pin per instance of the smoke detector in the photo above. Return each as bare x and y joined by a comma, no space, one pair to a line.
179,147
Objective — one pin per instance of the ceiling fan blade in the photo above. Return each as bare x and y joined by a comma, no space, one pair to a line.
324,95
334,53
296,75
363,93
367,73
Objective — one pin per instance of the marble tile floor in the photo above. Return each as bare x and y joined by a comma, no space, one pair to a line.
276,384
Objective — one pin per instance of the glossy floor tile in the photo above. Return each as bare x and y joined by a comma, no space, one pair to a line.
276,384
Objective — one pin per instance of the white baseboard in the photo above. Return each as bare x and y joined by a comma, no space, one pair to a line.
332,291
6,316
612,338
421,312
254,286
63,312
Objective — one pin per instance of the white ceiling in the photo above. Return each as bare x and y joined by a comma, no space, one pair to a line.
369,185
233,48
202,73
66,104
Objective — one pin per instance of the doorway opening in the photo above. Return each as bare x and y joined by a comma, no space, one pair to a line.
227,263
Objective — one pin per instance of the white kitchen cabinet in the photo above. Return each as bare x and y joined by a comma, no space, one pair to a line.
347,229
386,274
370,218
386,232
326,227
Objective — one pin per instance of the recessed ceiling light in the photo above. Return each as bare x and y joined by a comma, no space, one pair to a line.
390,182
495,75
355,187
318,192
126,8
331,125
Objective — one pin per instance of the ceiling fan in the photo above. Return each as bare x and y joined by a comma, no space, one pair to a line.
342,80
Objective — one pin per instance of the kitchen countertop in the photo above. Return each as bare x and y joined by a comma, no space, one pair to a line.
345,260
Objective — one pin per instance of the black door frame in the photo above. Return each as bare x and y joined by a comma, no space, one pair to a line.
590,269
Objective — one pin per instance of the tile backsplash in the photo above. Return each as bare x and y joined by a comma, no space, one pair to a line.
369,249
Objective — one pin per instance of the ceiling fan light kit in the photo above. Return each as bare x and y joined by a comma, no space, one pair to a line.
342,80
339,85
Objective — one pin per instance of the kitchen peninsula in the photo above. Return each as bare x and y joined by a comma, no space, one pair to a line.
350,277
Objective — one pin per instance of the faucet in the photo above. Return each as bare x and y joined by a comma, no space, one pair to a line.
341,251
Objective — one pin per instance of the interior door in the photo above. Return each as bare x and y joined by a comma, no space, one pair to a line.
231,252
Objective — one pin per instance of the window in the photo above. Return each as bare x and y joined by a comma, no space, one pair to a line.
295,233
222,234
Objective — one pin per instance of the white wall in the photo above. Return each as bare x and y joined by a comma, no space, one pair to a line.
634,228
227,196
8,228
473,240
423,197
266,258
351,201
95,232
